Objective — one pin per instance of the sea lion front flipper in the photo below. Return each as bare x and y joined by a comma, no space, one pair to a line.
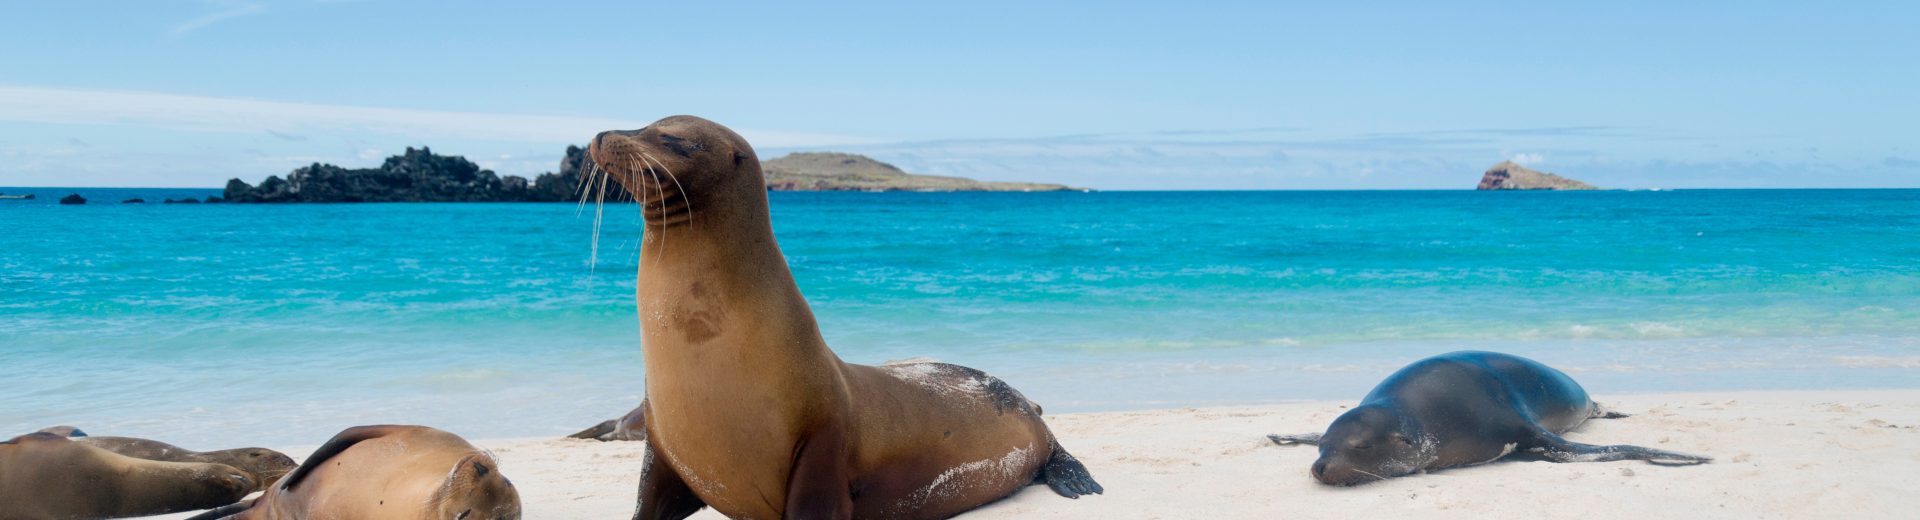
1067,476
335,446
1558,449
663,494
605,427
1309,439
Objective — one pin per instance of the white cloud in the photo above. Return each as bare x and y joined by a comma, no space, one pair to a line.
211,114
1528,159
224,10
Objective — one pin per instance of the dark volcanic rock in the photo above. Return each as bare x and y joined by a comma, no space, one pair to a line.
74,199
134,201
415,176
188,200
1510,176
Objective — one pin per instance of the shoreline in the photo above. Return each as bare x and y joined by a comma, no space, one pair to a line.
1778,454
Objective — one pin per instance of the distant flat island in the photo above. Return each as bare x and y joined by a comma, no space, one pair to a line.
419,175
1509,175
829,171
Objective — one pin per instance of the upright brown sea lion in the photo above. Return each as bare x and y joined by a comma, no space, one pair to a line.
1462,409
747,409
388,473
630,427
45,476
263,465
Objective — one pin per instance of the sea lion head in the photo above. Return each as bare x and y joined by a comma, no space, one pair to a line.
1368,443
677,161
475,490
266,466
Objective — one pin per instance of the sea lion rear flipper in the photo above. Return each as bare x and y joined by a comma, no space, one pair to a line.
1558,449
663,495
1067,476
338,444
226,511
605,427
1602,412
1309,439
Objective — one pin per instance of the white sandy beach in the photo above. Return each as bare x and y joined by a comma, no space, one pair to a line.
1798,454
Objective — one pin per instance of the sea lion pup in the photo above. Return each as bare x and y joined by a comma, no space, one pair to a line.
387,472
630,427
263,465
1462,409
46,476
747,409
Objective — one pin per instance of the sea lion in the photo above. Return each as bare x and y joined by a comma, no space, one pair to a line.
64,431
263,465
748,411
46,476
630,427
1463,409
387,472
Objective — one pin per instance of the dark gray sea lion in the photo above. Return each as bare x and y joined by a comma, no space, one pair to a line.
46,476
387,473
263,465
1462,409
630,427
747,409
64,431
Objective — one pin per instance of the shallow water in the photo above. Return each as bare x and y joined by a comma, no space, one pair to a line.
280,324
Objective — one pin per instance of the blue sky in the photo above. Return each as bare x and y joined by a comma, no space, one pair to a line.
1113,95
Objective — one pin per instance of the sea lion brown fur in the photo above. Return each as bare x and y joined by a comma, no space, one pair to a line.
388,473
46,476
748,411
263,465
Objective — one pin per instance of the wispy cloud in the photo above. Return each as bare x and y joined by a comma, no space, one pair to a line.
222,10
212,114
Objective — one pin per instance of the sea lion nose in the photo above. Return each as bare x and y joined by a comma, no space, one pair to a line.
1320,470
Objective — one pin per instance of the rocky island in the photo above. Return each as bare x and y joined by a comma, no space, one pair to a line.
1510,176
419,175
828,171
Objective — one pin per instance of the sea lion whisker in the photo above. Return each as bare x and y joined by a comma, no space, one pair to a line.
682,190
660,188
599,208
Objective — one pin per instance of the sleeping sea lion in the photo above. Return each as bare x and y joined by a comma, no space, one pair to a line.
1463,409
46,476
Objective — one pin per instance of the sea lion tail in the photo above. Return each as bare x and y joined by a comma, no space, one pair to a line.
595,432
338,444
1067,476
226,511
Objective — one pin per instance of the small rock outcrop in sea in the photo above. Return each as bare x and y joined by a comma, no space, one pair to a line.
135,200
1510,176
188,200
829,171
74,199
415,176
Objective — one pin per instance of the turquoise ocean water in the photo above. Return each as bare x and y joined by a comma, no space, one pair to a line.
209,325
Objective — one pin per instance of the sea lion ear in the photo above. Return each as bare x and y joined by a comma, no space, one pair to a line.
739,158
